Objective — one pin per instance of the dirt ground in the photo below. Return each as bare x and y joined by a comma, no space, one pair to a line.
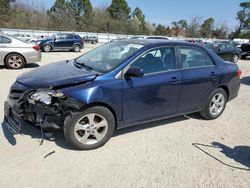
185,151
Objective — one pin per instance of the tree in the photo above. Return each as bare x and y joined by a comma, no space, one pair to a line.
4,11
221,32
207,28
193,30
119,9
178,26
82,12
162,30
138,15
60,16
243,16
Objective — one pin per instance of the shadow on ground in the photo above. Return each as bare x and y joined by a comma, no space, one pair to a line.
27,66
36,133
245,80
240,154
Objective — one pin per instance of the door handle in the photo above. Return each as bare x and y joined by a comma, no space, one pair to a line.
175,80
212,74
2,46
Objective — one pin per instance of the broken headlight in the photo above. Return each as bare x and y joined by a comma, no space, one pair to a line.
44,96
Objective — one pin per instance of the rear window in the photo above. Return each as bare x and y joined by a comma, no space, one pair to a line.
4,40
194,57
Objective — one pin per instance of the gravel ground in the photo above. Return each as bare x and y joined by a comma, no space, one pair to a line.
185,151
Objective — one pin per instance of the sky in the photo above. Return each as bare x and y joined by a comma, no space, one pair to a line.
167,11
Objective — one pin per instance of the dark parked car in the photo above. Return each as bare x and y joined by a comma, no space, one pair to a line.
62,41
226,51
245,50
90,39
120,84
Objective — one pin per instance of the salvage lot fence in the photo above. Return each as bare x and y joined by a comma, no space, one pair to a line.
102,37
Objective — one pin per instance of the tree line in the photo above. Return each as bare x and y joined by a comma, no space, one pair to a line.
79,15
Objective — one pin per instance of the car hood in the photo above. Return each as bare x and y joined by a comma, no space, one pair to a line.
56,74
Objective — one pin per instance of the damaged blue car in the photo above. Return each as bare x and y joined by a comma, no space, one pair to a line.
120,84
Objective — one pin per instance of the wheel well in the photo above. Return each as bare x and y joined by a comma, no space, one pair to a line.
14,53
225,88
48,44
77,44
103,105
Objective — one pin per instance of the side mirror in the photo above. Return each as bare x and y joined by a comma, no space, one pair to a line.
134,72
219,49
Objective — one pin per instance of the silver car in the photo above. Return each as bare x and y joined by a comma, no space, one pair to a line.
15,53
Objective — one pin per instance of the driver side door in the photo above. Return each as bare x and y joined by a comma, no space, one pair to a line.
156,94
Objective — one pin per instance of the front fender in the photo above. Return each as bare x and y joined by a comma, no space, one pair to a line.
104,92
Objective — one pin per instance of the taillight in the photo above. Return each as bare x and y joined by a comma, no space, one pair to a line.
239,73
36,47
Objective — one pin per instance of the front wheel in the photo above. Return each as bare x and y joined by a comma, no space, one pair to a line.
89,129
215,105
47,48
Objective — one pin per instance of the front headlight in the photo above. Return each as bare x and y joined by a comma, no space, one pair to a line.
44,96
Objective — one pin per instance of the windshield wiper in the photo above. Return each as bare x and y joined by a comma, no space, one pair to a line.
83,65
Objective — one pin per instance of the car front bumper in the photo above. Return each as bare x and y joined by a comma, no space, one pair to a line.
11,120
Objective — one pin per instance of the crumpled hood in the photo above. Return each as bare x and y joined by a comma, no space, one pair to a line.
55,74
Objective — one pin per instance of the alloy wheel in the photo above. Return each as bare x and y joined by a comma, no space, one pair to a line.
235,58
217,104
47,48
15,62
91,128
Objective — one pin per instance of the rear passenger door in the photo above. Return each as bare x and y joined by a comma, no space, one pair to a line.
198,78
60,41
70,40
224,52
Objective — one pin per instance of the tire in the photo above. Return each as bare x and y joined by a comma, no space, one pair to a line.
47,48
209,112
235,58
81,128
14,61
76,48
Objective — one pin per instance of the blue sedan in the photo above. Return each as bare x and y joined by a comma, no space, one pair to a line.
121,84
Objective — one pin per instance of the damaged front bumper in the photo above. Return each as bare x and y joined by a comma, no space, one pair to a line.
19,109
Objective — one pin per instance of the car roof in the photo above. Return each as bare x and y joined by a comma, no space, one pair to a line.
157,42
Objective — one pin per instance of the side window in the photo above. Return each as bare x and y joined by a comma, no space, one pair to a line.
69,37
157,60
194,57
4,40
222,46
61,36
229,46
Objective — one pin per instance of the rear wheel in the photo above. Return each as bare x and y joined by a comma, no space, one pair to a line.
76,48
215,105
235,58
89,129
14,61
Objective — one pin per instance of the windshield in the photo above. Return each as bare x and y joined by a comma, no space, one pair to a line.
108,56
